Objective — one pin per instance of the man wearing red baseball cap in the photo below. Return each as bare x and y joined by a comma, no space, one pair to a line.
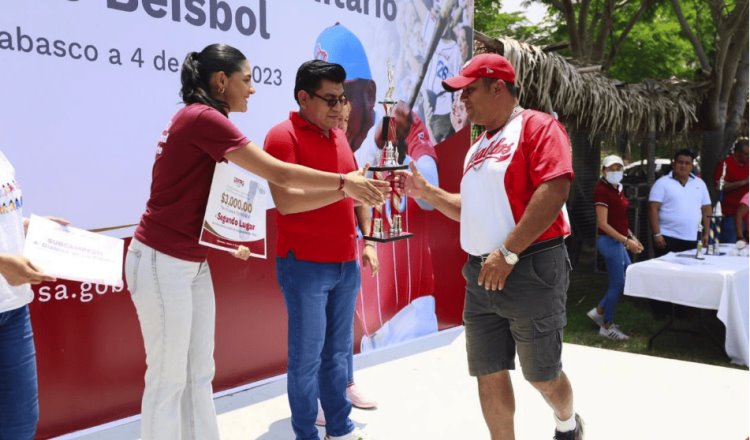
516,179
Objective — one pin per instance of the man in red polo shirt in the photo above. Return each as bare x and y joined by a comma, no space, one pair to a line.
735,186
316,261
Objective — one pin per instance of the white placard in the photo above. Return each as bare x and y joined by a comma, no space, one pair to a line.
72,253
236,211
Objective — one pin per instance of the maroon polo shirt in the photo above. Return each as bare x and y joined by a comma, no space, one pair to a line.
327,234
612,198
197,137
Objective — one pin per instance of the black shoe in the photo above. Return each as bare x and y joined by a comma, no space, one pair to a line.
576,434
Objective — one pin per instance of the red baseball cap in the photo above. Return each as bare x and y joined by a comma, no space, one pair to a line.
486,65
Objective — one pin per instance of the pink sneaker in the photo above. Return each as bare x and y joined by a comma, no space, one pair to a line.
320,420
358,399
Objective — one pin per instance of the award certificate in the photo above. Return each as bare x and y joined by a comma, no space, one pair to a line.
72,253
236,211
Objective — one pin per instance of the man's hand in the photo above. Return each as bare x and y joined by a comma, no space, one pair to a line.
494,272
415,183
18,270
368,191
660,242
370,257
242,252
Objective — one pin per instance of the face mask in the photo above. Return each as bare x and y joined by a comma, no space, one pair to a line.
613,177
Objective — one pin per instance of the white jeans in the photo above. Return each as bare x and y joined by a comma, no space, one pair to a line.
175,303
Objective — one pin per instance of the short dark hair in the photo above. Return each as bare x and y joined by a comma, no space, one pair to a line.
684,152
311,73
740,143
198,68
512,88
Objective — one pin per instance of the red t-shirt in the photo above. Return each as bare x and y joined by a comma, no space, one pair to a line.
197,137
616,203
735,172
327,234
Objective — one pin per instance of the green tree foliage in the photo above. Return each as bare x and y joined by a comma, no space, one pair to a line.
491,21
653,50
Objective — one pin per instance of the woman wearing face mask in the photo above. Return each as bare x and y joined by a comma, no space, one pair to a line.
615,238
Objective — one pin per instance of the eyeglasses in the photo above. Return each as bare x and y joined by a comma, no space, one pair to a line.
331,102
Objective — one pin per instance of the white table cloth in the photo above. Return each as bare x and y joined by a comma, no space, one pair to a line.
717,282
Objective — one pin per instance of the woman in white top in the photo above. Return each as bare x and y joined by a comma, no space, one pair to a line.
19,407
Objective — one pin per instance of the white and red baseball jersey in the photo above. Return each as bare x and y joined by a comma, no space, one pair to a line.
501,172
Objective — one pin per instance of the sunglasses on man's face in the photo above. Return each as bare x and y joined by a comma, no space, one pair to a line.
331,102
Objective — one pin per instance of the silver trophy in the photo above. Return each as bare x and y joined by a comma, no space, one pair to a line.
387,224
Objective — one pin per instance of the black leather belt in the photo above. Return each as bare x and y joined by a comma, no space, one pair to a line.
531,250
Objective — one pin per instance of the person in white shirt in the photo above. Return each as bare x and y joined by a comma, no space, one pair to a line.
516,179
19,405
678,204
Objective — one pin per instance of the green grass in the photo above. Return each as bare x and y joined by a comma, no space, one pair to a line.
635,318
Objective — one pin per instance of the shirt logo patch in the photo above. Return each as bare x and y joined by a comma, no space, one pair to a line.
499,151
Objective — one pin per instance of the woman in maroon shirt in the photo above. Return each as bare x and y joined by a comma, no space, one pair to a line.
165,268
613,242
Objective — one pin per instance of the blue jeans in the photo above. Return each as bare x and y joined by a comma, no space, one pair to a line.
19,396
729,230
320,300
617,260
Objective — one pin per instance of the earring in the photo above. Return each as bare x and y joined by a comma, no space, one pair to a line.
221,91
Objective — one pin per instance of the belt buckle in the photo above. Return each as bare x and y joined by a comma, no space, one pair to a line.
483,258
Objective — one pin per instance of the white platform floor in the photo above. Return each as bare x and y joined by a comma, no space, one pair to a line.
425,392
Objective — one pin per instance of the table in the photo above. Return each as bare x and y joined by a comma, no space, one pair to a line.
718,283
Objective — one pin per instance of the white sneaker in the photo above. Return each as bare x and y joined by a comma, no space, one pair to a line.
613,332
596,317
320,419
358,399
357,434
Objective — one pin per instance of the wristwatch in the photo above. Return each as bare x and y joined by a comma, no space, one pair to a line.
510,257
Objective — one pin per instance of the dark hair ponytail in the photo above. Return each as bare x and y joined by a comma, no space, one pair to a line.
198,68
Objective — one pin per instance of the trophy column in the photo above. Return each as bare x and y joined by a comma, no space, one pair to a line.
388,221
717,217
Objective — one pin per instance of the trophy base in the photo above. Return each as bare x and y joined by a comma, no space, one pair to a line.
390,168
387,237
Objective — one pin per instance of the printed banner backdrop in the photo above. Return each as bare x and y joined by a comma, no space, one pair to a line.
91,84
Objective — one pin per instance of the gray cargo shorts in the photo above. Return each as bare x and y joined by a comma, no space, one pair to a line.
527,315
